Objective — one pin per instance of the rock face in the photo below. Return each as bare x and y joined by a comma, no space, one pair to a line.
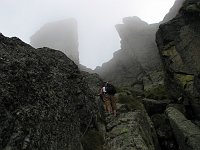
138,55
173,11
187,134
94,82
164,132
179,44
60,35
44,100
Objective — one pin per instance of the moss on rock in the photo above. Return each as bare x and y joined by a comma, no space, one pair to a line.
129,91
133,102
193,8
184,79
170,52
158,93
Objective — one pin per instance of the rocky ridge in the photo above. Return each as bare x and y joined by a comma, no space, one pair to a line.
130,130
45,102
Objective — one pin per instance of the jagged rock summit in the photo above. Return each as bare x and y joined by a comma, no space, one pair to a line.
137,58
138,38
61,35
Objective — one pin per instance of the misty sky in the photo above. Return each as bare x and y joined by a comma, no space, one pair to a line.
96,19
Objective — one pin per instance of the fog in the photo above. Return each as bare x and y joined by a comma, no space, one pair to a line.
98,38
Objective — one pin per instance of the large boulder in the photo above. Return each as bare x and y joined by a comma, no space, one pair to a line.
44,100
187,134
61,35
179,44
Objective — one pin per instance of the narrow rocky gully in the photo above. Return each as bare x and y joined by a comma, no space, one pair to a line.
132,128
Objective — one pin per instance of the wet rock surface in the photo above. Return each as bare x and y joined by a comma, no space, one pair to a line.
44,101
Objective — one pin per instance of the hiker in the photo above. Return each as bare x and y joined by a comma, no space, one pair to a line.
108,91
106,100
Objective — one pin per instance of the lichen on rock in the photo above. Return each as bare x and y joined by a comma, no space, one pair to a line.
178,41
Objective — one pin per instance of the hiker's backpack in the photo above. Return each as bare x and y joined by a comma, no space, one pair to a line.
110,89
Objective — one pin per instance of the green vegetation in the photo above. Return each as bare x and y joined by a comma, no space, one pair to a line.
93,140
158,93
129,91
131,98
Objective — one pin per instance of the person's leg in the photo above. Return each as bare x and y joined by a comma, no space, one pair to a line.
108,104
115,113
113,103
109,108
104,102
